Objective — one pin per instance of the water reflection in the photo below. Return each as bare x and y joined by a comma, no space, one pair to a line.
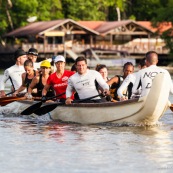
119,148
98,148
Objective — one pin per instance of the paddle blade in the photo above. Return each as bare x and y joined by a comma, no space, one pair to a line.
47,108
31,109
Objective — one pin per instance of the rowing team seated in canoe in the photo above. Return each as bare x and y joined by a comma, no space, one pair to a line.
84,83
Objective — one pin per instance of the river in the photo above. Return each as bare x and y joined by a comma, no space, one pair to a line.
27,146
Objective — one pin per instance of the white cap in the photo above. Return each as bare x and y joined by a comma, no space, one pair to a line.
59,58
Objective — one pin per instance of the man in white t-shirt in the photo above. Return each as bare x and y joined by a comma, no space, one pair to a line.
83,82
146,76
14,73
131,78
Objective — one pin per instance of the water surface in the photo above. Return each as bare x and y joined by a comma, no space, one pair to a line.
27,146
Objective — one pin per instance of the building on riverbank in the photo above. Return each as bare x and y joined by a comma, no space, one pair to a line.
71,37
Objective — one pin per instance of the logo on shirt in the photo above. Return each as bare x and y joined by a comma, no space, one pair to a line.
150,74
60,85
65,78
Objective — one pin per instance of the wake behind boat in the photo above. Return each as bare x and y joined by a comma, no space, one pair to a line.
143,111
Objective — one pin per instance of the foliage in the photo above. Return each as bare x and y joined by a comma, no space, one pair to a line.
164,14
14,13
143,10
21,10
84,10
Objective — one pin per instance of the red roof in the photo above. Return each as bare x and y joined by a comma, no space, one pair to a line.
160,28
104,27
91,24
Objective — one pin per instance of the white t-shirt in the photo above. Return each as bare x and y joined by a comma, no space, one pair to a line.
146,77
130,78
15,72
37,65
84,84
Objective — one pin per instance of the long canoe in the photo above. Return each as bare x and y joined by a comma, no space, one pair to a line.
143,111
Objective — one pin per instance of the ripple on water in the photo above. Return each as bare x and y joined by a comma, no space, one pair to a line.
27,145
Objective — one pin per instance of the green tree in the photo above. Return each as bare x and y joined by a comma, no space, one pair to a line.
164,14
49,10
21,10
117,9
143,10
84,10
5,17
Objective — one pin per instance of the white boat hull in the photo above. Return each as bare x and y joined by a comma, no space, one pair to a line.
143,111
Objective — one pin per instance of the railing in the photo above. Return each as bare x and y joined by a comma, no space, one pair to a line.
77,48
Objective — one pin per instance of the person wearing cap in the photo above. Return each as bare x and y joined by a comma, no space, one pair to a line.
58,80
14,72
33,55
39,81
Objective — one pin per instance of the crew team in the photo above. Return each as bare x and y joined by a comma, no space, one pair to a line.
37,80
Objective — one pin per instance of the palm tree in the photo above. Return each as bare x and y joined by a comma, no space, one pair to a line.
8,6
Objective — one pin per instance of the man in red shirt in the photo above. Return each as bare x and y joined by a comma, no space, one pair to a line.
58,80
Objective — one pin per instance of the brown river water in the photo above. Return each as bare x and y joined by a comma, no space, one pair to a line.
29,146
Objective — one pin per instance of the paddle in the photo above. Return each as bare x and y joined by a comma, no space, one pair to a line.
48,108
7,100
10,93
37,105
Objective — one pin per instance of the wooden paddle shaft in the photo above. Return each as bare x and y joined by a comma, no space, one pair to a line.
9,100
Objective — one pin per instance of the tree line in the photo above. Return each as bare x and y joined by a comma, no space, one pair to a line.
16,13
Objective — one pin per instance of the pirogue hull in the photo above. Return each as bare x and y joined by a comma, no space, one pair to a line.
142,111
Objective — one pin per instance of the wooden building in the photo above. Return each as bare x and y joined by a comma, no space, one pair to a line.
59,35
